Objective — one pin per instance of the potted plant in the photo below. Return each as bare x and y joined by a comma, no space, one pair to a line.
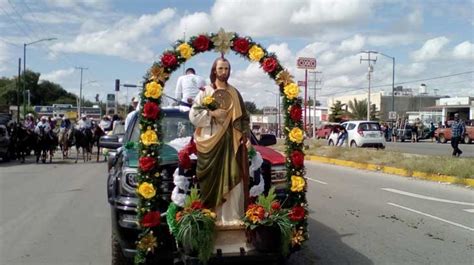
268,224
195,227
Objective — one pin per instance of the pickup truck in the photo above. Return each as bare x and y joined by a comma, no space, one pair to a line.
122,185
444,135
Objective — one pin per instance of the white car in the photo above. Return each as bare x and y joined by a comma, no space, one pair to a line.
360,134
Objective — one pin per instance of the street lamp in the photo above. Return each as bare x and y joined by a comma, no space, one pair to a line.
277,95
24,67
393,78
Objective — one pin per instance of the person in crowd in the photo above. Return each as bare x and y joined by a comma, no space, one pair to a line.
65,124
134,110
188,86
104,123
432,131
43,124
342,136
84,123
457,129
29,122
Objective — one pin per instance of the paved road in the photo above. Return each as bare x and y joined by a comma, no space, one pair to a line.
429,148
57,214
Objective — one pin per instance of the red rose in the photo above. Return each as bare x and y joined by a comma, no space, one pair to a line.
296,113
151,110
269,64
241,45
169,60
197,205
151,219
276,206
184,160
297,213
201,43
297,158
147,163
191,148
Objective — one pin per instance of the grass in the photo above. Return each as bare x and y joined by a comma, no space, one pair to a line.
443,165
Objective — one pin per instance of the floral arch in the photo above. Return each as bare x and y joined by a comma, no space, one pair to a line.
150,124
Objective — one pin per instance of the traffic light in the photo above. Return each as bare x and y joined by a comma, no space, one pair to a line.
97,98
117,84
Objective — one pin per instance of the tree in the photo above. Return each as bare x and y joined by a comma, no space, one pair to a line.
358,110
250,107
337,112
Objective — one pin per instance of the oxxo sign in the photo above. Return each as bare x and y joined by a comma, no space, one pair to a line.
306,63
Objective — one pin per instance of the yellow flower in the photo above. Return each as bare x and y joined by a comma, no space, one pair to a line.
207,100
146,190
297,183
291,90
296,135
153,90
149,137
256,53
185,50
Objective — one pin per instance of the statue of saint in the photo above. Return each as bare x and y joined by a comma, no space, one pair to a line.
221,141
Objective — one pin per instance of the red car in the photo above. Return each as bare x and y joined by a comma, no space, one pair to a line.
444,134
324,131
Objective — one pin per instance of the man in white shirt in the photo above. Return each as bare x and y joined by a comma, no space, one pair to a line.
188,86
43,124
84,123
134,110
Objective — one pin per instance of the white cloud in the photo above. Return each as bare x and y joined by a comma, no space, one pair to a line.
332,12
73,4
392,40
193,24
4,56
125,38
353,44
58,76
464,51
410,70
53,17
431,50
282,52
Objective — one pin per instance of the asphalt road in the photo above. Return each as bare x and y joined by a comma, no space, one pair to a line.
57,214
429,148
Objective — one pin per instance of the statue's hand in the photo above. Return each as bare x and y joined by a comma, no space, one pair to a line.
219,115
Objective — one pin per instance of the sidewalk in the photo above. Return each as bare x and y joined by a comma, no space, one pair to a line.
393,170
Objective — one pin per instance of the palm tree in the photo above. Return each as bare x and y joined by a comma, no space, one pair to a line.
337,112
358,109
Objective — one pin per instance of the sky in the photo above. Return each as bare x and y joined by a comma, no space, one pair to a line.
432,42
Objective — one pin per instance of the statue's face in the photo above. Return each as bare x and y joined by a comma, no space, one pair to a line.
222,71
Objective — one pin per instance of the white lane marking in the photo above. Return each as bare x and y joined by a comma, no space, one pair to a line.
426,197
318,181
469,210
432,216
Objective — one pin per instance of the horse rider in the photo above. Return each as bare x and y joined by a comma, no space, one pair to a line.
29,122
84,123
105,123
43,124
65,124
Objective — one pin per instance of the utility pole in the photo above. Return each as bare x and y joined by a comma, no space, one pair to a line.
370,69
79,107
316,82
18,92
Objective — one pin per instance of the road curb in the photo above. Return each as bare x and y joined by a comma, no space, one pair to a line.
394,170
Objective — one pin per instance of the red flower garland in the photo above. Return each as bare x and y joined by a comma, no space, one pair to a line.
197,205
184,161
276,206
151,219
201,43
297,158
169,60
146,163
151,110
296,113
241,45
269,64
297,213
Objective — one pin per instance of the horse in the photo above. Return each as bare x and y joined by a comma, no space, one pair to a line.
65,139
23,141
43,142
97,132
83,139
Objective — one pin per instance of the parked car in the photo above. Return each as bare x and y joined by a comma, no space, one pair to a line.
122,185
444,135
324,131
361,134
4,143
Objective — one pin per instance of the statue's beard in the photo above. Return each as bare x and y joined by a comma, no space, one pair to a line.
222,77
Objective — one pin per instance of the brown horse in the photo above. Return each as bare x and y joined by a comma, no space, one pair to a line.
97,132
